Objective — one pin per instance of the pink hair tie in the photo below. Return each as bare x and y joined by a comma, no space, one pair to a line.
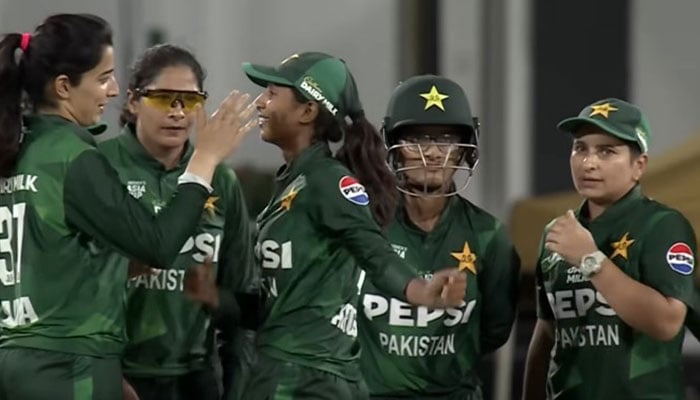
24,43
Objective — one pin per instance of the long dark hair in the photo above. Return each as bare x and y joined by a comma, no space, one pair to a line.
151,63
363,152
64,44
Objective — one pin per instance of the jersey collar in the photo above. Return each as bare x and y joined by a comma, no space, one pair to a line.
314,152
39,123
614,212
442,224
128,139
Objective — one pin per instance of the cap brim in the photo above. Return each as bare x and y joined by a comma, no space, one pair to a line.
570,125
263,75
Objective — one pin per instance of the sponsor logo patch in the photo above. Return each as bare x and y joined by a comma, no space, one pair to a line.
680,258
352,190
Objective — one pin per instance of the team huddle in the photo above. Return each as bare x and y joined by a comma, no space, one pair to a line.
130,269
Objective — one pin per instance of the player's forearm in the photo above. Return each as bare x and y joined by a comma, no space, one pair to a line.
537,361
638,305
387,271
202,165
98,204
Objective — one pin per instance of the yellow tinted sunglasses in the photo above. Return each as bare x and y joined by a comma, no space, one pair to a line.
166,99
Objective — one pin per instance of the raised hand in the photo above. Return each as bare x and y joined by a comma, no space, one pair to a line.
222,133
447,288
568,238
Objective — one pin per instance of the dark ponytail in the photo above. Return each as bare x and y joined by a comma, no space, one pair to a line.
10,102
64,44
364,153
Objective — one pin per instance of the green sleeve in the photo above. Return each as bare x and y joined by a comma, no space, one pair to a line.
97,204
544,308
499,286
236,273
238,357
353,225
660,265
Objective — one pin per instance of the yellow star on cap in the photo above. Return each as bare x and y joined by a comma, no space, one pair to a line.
209,204
434,98
602,109
466,259
621,246
286,201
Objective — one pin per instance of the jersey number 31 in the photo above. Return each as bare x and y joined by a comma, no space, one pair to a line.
11,234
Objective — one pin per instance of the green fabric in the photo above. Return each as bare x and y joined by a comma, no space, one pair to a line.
64,212
30,374
617,117
592,343
168,333
280,380
414,351
313,238
318,76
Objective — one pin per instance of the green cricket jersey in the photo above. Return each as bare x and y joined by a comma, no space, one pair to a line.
168,333
312,238
596,355
416,351
61,214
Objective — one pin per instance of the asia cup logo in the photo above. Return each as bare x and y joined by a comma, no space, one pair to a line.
353,190
680,258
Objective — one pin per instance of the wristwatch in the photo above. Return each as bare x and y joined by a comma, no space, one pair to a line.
591,263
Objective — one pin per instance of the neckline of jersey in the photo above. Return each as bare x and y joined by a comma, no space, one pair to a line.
442,224
40,123
291,170
128,139
614,212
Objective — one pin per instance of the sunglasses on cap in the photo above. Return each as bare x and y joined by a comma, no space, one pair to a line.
165,99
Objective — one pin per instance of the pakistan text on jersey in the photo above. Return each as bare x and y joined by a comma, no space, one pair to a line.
588,336
171,280
17,312
18,183
417,346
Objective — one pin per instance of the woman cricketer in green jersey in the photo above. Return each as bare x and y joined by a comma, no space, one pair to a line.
171,350
417,352
614,277
320,228
63,210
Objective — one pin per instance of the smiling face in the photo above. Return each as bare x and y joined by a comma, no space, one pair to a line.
603,167
280,115
429,155
84,103
165,124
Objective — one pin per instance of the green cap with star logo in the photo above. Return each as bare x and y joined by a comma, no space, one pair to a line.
617,117
427,100
318,76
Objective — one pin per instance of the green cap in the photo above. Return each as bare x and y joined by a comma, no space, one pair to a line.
617,117
318,76
427,100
